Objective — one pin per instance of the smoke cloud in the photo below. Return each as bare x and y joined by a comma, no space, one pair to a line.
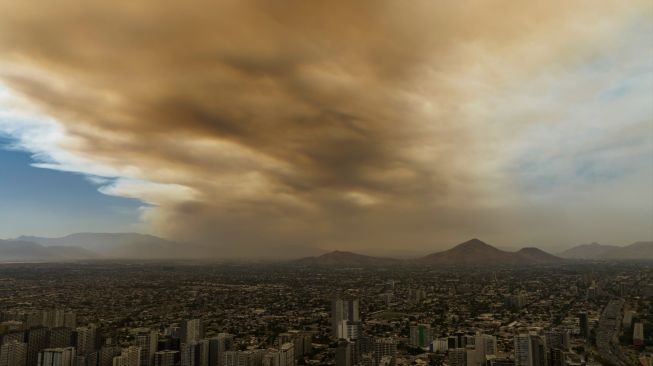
364,125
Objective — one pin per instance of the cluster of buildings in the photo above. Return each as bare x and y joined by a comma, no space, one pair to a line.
151,314
534,348
55,343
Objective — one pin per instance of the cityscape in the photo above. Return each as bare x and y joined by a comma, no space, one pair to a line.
281,314
326,183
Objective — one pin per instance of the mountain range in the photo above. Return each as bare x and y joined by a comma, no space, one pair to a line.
596,251
85,246
470,253
21,251
476,252
130,246
347,259
120,245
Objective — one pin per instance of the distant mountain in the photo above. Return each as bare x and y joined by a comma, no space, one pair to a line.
25,251
587,251
346,259
472,252
125,245
536,255
641,250
99,242
477,253
141,246
286,252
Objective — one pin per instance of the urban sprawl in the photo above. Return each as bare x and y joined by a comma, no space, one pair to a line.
156,314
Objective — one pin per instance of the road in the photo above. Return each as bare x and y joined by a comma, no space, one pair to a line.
607,334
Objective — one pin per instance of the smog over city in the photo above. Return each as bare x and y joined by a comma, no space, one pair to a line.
349,183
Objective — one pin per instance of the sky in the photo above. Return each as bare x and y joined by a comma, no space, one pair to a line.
368,125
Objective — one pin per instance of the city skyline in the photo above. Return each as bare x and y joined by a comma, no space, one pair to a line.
367,126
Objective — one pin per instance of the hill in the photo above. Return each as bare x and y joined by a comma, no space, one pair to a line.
477,253
124,245
641,250
536,255
587,251
26,251
346,259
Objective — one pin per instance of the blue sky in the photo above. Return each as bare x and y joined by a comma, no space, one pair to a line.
60,202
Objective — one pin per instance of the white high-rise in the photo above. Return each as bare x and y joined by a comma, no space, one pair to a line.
57,357
342,312
484,345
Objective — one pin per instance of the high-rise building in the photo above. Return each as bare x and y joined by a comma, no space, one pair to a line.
37,339
250,358
352,330
89,359
439,345
556,357
168,343
55,318
130,356
33,319
420,335
384,347
86,339
303,344
195,353
15,336
529,350
13,354
583,323
287,354
218,346
343,353
342,312
457,357
191,331
106,355
69,319
628,318
52,318
557,339
482,346
303,340
166,358
638,334
284,356
147,340
461,340
501,362
452,342
61,337
57,357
